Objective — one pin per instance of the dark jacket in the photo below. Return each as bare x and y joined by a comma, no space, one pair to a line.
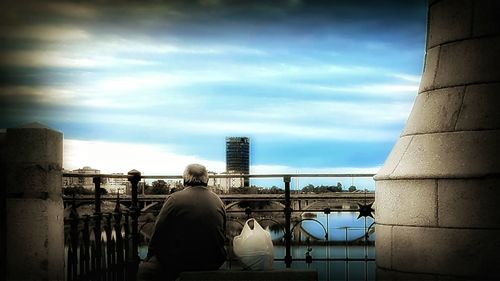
189,232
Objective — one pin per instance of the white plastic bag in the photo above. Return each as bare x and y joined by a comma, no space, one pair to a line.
254,247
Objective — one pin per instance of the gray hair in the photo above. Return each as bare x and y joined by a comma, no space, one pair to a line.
195,174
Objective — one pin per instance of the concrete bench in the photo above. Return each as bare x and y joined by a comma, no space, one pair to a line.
246,275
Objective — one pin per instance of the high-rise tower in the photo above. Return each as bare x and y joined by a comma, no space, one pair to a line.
238,156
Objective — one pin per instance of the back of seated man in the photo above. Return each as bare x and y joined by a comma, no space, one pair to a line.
189,232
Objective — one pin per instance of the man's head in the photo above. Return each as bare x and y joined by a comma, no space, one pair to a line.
195,175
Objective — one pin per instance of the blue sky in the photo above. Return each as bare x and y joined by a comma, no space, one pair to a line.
318,86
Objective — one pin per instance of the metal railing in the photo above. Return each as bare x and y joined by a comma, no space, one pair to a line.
105,246
104,251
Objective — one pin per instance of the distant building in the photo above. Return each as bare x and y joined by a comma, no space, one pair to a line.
222,185
238,157
115,185
141,188
86,182
69,181
214,184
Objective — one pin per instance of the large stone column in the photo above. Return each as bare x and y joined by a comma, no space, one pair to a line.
34,234
438,191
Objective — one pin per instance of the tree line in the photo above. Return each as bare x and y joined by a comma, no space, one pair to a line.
163,187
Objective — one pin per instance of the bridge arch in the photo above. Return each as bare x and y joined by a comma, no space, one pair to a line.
234,203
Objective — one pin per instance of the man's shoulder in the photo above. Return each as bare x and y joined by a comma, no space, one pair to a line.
205,192
189,191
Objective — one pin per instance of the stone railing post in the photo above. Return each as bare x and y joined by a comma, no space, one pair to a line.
134,177
34,213
437,193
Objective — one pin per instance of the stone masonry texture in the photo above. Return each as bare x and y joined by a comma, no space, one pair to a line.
34,207
437,193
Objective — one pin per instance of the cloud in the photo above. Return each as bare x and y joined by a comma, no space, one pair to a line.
47,32
349,113
113,157
268,128
379,89
348,122
141,45
305,131
41,94
407,77
65,59
78,10
45,59
283,169
141,82
290,70
121,157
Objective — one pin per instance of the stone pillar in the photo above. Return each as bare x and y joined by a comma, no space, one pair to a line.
34,237
437,193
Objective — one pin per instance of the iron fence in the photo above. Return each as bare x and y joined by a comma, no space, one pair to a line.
105,246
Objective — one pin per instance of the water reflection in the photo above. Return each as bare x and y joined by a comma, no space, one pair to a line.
346,240
341,226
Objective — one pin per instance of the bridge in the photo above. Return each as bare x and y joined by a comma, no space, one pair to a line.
300,202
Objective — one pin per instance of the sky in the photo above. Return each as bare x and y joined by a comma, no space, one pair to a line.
317,86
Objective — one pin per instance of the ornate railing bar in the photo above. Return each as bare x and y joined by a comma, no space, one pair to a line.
103,246
134,177
288,219
106,246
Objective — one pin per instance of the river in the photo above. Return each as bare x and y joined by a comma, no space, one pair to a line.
345,240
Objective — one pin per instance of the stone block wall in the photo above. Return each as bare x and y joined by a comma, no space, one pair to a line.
437,192
33,236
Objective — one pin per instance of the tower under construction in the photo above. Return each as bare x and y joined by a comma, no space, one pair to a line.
238,156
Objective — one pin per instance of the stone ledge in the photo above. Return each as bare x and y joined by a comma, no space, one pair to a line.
394,157
464,154
268,275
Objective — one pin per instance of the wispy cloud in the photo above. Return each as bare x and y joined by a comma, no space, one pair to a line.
258,129
281,71
41,94
407,77
71,9
292,117
380,90
349,113
148,46
47,32
46,59
66,59
111,157
283,169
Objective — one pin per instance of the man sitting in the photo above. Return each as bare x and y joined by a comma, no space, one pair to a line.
189,232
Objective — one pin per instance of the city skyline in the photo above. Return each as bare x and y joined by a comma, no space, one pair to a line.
322,86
